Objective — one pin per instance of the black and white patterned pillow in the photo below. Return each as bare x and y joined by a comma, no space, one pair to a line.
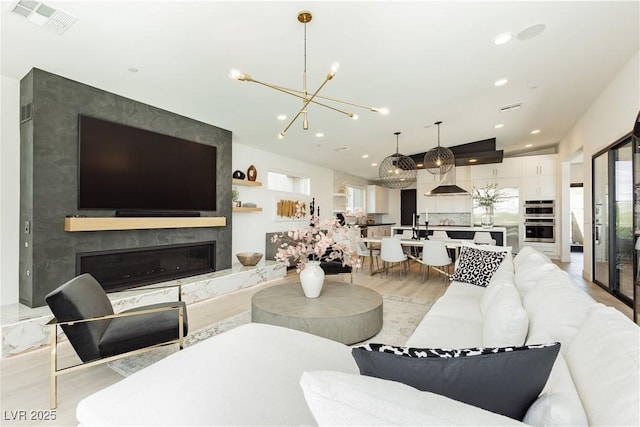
476,266
504,380
445,352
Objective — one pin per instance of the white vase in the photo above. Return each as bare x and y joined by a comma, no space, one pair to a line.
312,279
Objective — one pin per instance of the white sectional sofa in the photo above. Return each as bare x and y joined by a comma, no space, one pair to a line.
266,375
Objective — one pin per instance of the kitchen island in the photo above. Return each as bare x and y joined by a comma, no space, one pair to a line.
458,232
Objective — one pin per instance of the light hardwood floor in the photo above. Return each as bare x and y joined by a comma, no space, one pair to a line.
24,378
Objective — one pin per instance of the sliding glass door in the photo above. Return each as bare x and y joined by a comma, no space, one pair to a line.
613,233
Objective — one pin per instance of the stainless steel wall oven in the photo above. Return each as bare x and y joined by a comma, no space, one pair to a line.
539,221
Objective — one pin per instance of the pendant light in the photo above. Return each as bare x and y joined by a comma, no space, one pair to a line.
439,160
397,170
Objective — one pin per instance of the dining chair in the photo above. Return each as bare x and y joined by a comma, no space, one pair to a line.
391,252
363,252
483,238
435,255
439,235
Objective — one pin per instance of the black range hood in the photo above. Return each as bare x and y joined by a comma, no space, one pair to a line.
448,186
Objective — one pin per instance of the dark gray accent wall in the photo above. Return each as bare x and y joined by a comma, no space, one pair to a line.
48,180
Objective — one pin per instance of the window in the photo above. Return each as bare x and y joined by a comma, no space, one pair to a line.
355,198
288,183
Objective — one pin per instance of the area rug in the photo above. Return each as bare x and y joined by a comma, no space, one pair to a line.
400,316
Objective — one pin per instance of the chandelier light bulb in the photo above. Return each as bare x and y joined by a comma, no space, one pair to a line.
234,74
354,116
383,111
281,135
334,68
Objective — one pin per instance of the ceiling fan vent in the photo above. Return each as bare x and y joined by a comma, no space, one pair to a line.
510,107
44,16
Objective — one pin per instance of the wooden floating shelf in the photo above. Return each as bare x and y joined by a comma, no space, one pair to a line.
247,183
139,223
241,209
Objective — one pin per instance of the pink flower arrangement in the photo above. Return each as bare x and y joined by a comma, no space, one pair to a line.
326,241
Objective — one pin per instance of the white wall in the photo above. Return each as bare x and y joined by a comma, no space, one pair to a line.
610,117
9,188
249,228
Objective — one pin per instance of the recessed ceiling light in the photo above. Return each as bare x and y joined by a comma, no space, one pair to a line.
531,32
535,131
499,125
502,38
282,117
473,160
500,82
374,164
528,145
319,135
365,156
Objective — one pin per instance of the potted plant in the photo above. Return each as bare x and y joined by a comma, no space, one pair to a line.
487,197
235,195
318,241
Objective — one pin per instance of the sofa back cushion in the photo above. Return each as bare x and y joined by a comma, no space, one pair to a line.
502,277
505,321
556,305
559,403
527,274
604,359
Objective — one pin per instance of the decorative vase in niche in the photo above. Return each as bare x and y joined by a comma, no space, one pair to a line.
312,279
487,217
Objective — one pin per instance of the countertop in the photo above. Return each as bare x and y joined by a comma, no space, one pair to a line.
376,224
455,228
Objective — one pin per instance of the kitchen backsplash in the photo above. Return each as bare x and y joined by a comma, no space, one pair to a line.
457,218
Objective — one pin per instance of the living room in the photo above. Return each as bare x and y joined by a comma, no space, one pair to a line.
605,117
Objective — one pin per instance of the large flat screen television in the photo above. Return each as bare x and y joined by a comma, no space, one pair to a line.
131,169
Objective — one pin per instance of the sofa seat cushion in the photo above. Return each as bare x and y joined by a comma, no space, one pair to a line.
557,306
502,380
247,376
447,332
463,289
604,359
340,399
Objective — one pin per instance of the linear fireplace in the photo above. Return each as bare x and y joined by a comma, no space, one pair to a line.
117,270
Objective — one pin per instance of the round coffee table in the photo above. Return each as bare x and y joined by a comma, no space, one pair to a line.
344,313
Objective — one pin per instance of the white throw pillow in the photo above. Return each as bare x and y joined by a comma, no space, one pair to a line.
506,322
500,278
337,398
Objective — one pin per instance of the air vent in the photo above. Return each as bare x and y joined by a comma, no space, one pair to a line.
25,112
510,107
44,15
339,149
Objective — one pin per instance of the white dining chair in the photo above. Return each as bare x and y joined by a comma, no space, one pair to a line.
436,256
391,252
483,238
364,252
439,235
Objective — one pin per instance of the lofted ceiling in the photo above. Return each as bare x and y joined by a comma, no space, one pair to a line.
425,61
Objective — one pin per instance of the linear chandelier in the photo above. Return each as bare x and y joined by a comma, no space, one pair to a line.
307,97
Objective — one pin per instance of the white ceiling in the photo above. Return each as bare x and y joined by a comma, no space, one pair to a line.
425,61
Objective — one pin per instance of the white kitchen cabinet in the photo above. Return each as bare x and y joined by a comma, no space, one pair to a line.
509,168
539,177
377,199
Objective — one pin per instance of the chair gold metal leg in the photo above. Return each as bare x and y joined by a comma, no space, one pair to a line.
53,359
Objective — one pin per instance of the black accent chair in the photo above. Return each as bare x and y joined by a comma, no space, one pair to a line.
334,266
83,311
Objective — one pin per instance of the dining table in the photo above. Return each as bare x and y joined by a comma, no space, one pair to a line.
373,241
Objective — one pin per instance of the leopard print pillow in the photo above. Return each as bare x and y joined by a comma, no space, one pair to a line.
476,266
